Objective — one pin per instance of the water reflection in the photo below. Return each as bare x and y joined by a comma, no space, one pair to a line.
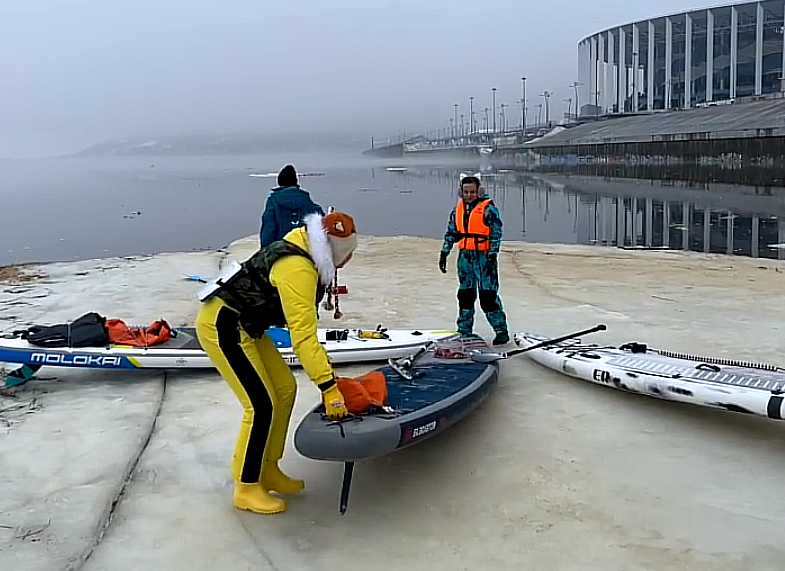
722,170
629,213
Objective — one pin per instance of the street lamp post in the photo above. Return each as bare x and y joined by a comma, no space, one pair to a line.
487,124
493,90
462,124
547,96
575,86
523,106
455,107
471,114
569,107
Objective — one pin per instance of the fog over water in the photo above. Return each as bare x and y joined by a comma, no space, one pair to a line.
77,73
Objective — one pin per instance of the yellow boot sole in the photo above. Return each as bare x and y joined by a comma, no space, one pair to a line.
253,498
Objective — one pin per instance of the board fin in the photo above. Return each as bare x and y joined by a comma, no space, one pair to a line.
348,470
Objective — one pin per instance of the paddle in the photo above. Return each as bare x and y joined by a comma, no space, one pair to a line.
195,278
487,357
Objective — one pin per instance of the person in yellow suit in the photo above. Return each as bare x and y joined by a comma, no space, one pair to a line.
279,285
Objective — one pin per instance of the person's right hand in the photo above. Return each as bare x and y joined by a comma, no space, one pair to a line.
334,403
443,262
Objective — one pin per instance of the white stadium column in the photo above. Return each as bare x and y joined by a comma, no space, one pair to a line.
734,48
668,60
650,69
584,76
782,74
635,59
759,50
611,77
601,70
593,81
709,55
587,98
622,82
687,61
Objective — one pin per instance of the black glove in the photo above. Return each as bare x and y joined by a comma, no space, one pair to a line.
443,262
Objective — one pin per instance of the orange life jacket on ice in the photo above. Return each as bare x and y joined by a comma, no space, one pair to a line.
363,393
476,234
120,333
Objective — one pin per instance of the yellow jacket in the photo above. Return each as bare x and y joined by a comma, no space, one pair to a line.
296,279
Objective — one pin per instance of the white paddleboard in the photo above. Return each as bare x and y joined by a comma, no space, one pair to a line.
717,383
185,352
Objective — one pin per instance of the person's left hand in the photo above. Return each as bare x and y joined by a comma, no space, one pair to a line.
334,403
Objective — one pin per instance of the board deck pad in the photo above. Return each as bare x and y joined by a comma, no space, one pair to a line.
732,376
439,382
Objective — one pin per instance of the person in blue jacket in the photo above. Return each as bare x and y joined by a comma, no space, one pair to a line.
286,207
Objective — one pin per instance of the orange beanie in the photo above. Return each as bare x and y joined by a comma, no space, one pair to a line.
342,234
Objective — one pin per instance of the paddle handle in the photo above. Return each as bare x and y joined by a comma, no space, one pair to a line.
594,329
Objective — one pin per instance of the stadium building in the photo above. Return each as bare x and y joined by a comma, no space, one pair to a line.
703,57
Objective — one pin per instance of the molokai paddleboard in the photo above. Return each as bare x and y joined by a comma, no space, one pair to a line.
183,351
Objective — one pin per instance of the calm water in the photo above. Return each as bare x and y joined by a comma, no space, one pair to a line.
68,209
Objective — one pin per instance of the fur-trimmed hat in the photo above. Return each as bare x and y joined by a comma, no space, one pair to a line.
342,234
331,240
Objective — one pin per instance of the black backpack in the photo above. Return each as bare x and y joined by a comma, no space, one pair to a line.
89,330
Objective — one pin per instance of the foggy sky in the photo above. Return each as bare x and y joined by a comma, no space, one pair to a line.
77,72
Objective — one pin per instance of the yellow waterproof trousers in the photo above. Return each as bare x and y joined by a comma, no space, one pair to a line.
261,381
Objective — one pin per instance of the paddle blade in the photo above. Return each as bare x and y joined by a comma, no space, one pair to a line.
486,356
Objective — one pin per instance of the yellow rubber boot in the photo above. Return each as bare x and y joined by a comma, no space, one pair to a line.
253,498
275,480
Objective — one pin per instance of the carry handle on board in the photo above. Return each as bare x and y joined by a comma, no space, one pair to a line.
488,357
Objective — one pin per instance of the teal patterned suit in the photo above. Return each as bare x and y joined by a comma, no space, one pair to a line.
478,271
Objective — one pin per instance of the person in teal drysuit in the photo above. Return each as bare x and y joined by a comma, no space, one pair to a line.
476,226
286,207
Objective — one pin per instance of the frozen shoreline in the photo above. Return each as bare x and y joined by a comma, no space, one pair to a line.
550,472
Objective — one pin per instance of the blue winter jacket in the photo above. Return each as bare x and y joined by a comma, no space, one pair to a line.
285,209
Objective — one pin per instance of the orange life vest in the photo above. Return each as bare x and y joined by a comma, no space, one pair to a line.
363,393
476,234
120,333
